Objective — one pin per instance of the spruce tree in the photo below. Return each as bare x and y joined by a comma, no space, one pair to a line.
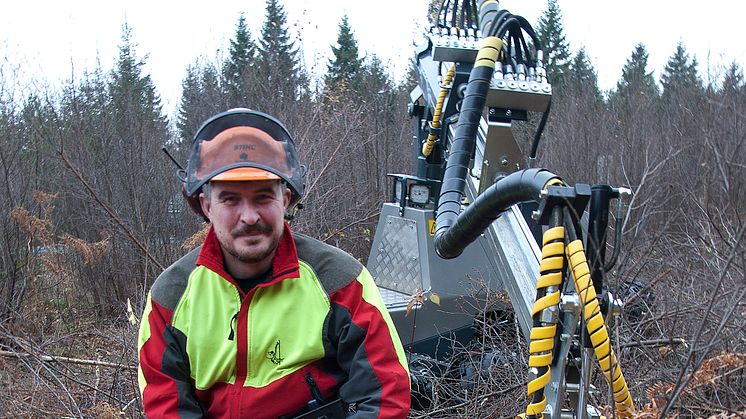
345,67
201,97
239,64
138,124
551,35
582,76
133,95
374,76
636,80
680,74
188,104
733,79
279,59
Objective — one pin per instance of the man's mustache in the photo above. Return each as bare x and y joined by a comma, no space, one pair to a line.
259,227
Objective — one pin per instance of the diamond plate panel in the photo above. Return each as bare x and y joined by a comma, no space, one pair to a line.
397,260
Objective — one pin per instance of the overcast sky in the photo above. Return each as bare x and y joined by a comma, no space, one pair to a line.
48,41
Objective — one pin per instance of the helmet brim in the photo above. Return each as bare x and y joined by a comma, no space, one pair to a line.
239,174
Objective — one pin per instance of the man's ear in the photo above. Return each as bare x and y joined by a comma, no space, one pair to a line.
204,203
286,195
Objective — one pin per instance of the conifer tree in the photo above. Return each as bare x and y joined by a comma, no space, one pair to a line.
374,76
138,125
636,80
582,76
680,74
279,59
111,129
551,34
189,104
238,65
201,98
345,67
733,79
132,93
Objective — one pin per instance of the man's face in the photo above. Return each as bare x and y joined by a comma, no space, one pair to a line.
247,218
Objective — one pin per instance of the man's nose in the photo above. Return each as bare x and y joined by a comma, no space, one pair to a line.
249,214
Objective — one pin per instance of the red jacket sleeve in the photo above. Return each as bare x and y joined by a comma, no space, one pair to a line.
370,352
164,374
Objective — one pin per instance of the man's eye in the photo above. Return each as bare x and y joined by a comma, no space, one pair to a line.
265,198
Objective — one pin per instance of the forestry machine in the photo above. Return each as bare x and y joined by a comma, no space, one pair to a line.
477,220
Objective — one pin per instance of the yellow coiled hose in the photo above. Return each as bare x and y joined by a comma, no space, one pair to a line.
542,337
486,57
597,329
427,148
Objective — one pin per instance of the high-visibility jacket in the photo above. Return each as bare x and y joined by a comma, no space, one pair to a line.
317,328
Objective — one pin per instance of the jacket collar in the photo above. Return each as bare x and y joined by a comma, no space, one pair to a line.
284,264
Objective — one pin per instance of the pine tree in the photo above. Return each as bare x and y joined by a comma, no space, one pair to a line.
582,76
133,96
680,74
279,59
139,128
733,79
551,35
345,67
189,104
201,98
374,76
239,64
636,80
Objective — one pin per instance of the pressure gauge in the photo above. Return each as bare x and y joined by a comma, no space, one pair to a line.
419,194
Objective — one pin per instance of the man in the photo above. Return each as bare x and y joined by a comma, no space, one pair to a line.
261,322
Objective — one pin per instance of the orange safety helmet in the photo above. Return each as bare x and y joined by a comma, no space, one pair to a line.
239,145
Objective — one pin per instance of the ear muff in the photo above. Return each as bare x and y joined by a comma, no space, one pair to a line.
193,201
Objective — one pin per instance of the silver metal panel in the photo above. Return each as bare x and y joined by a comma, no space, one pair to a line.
394,298
501,154
397,259
519,94
515,251
519,256
471,272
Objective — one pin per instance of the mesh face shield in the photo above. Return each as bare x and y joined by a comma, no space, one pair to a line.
243,145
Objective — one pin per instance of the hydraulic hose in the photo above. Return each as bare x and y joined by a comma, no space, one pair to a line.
453,232
427,148
596,327
489,13
457,168
543,329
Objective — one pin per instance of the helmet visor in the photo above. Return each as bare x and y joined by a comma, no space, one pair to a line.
243,147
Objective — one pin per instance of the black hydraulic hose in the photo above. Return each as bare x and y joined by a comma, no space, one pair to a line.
539,130
516,39
505,25
499,17
462,147
527,50
474,14
529,30
441,15
453,232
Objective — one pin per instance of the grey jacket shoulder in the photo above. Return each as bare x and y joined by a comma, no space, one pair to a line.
334,267
171,283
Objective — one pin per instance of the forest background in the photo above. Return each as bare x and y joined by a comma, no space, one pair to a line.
93,210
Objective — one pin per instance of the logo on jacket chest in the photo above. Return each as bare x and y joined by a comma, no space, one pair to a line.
275,355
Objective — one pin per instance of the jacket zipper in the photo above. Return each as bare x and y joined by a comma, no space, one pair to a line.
233,319
242,340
